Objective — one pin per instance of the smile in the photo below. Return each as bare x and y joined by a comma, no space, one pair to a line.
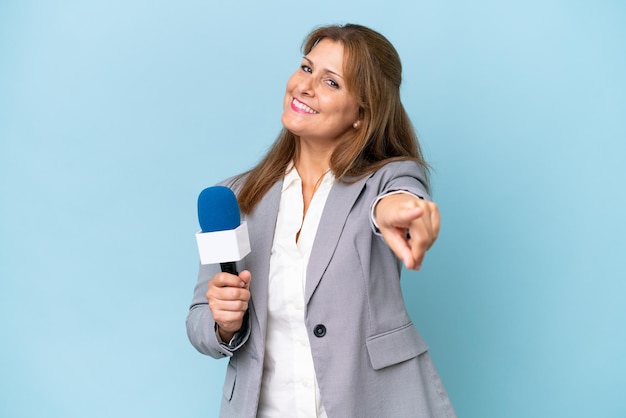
298,106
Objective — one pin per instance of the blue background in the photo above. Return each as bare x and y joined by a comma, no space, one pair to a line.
115,114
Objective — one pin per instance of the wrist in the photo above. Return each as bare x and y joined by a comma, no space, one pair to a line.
225,336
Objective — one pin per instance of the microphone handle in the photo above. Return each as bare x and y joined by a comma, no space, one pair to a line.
229,267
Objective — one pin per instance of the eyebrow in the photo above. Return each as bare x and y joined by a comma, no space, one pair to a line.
325,69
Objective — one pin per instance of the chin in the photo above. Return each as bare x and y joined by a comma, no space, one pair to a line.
287,124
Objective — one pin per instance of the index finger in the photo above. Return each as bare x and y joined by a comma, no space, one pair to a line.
397,242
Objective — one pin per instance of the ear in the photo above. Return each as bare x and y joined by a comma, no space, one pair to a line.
359,121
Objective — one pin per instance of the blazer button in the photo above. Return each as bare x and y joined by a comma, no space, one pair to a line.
319,330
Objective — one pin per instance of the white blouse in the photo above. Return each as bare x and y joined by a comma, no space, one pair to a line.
289,386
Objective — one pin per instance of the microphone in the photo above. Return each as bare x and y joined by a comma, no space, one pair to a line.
223,237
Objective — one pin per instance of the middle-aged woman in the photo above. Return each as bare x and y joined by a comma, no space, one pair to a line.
315,324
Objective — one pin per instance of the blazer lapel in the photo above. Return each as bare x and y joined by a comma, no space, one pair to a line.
261,229
338,205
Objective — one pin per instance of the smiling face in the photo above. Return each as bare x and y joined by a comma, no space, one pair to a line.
318,105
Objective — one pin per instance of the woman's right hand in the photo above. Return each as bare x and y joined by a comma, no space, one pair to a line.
228,297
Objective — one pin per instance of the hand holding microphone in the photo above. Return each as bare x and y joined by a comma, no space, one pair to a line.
224,239
228,297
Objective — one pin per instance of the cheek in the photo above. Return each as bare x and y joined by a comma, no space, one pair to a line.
286,99
292,82
289,90
351,111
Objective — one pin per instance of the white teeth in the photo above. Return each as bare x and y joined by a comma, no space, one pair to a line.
304,107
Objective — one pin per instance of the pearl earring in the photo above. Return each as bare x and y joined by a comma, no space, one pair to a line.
355,125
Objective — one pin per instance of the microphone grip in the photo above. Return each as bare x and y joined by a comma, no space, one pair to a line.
229,267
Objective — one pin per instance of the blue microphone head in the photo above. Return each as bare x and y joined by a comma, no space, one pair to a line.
218,209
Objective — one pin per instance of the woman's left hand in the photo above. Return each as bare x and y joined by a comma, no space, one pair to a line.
409,226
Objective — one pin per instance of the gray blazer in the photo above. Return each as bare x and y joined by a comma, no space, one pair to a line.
369,358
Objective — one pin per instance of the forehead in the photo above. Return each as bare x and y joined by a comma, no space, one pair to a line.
329,54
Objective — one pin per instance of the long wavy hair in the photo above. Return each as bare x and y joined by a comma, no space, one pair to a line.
373,73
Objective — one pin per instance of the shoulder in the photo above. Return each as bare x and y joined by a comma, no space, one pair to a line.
401,175
234,182
404,167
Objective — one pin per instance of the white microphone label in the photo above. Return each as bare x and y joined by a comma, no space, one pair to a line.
223,246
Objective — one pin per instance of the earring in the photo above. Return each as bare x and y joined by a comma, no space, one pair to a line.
355,124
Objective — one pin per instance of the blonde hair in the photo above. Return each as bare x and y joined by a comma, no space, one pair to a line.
373,73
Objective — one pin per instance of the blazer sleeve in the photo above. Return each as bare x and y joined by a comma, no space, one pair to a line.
201,327
402,176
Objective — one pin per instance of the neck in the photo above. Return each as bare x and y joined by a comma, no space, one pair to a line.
312,162
311,174
311,168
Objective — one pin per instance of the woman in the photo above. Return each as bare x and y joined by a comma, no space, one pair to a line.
315,324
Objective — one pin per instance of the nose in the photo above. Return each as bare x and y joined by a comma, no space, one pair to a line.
306,86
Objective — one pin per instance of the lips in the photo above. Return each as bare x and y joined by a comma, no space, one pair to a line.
300,107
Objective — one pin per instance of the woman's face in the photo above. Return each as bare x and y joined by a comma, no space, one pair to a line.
317,103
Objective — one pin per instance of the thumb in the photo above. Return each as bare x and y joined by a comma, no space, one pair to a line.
245,277
405,217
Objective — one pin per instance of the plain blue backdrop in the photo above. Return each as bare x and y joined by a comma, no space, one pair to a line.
115,114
